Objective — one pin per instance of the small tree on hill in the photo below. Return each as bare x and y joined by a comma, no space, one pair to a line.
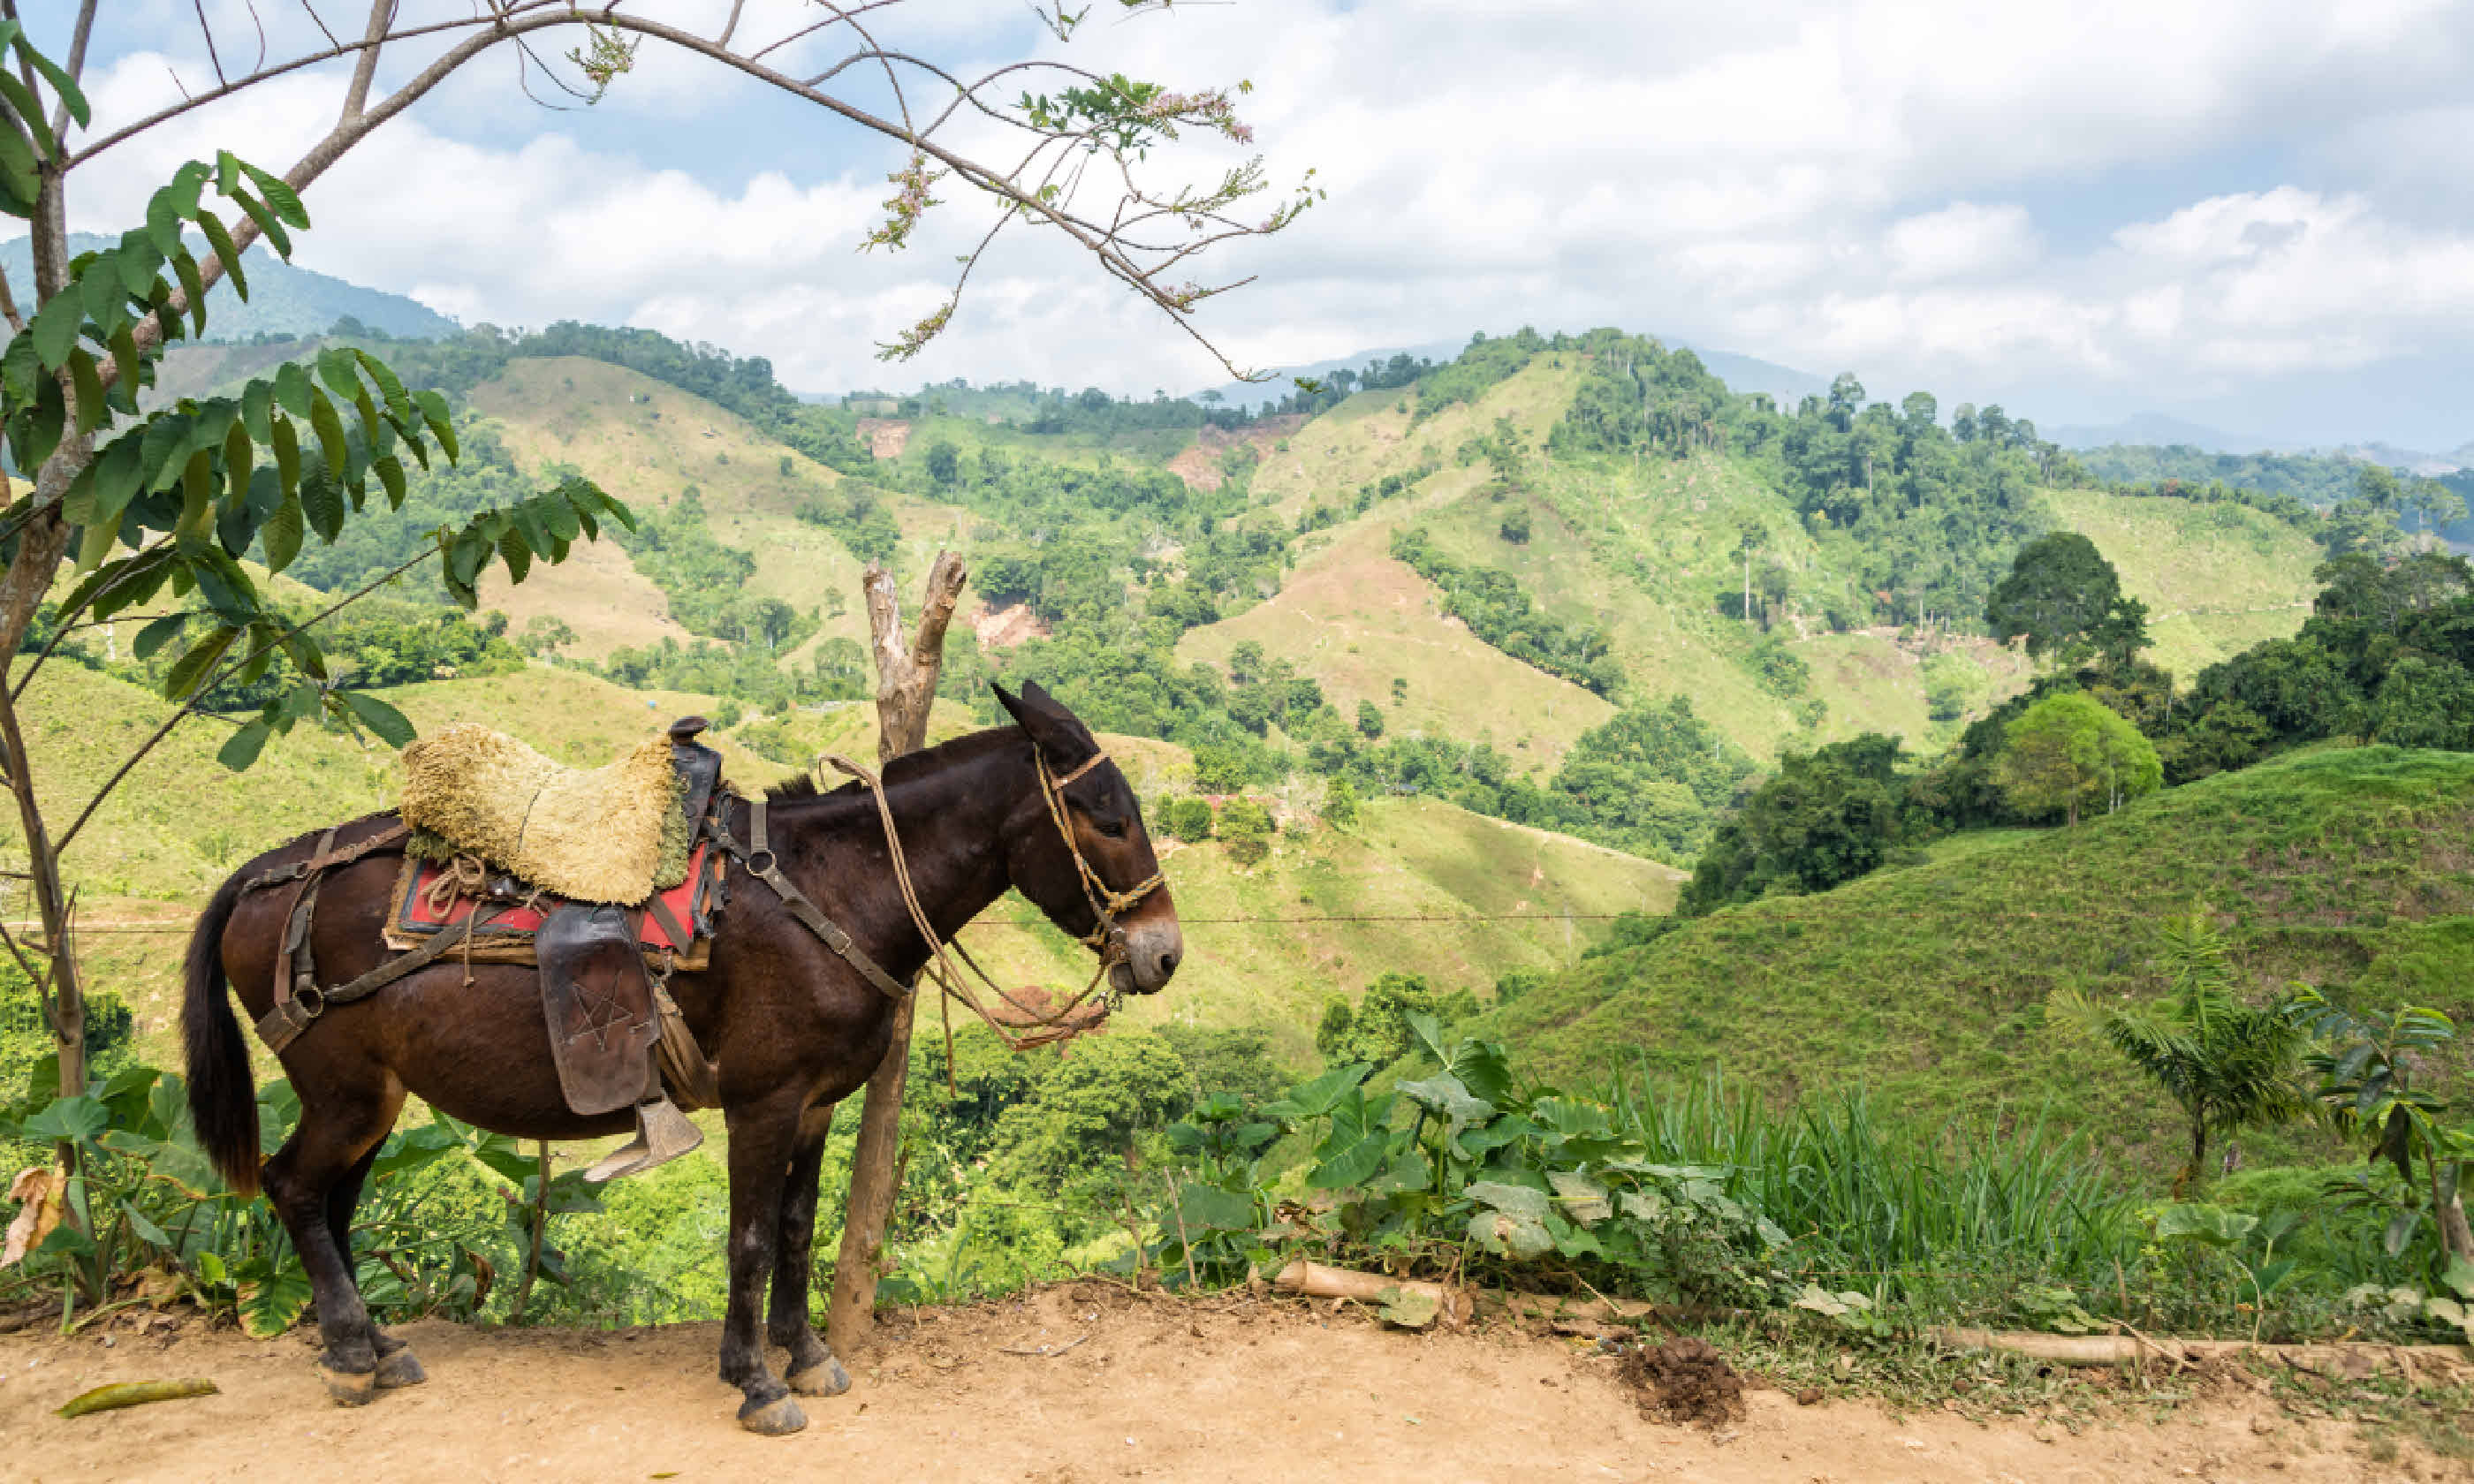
2229,1065
1340,803
2060,588
1370,720
2067,751
1245,828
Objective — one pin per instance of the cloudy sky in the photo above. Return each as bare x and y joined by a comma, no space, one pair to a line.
2258,214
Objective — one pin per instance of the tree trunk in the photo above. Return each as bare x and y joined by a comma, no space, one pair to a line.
906,687
2456,1238
2191,1173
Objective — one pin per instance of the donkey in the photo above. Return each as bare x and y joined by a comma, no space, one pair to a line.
793,1027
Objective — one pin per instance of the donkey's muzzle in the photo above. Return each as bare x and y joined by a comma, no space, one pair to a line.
1153,951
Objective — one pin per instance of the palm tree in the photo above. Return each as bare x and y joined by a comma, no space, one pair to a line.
2229,1064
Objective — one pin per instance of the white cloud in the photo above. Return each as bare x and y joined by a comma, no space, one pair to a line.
1928,189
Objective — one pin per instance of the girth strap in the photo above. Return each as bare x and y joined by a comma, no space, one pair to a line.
764,866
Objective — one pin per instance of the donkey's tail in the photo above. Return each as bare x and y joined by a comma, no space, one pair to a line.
223,1099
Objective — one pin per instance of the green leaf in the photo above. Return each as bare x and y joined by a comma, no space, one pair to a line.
124,354
283,534
158,633
1354,1164
433,411
1443,1096
329,426
247,741
193,667
1317,1098
88,381
1584,1199
226,253
337,367
287,454
390,386
272,1304
2400,1231
390,472
518,555
30,112
266,221
393,726
61,82
163,223
193,285
1205,1208
293,389
56,328
321,500
280,195
75,1120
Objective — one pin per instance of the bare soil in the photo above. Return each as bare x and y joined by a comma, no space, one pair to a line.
1081,1382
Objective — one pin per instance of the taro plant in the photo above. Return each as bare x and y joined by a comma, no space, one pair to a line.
139,1216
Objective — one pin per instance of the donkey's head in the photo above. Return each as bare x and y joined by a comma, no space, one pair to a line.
1077,848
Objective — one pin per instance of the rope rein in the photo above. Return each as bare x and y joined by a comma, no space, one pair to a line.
1107,940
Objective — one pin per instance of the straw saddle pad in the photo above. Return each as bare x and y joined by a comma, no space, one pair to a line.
587,834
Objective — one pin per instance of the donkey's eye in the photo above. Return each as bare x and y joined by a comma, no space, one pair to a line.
1114,829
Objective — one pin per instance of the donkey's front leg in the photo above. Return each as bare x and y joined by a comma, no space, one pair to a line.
761,1140
813,1371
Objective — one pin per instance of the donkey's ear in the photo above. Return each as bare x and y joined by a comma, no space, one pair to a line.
1006,699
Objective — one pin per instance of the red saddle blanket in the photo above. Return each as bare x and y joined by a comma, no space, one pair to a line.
689,905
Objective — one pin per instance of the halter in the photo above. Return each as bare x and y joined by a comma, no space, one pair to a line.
1105,938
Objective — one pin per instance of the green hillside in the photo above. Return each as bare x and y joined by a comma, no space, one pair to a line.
2342,867
2216,578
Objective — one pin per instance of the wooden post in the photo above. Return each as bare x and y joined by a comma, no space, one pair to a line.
906,687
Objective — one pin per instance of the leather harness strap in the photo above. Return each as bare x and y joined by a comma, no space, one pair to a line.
760,861
293,1012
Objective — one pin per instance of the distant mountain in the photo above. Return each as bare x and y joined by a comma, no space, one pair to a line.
283,300
1746,374
2156,429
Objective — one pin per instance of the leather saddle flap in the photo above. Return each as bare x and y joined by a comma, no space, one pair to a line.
598,1003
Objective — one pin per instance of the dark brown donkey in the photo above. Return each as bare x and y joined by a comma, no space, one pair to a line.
795,1028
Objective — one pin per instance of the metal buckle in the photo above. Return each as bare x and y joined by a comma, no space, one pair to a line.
772,862
311,999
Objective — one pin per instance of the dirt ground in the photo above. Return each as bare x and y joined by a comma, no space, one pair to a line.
1073,1385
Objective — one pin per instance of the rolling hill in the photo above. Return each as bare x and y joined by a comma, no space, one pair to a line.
2344,867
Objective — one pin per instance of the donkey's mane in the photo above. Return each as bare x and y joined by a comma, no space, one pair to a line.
967,747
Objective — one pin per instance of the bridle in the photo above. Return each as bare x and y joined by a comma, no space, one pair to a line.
1106,939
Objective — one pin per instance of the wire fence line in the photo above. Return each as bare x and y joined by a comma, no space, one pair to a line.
1465,918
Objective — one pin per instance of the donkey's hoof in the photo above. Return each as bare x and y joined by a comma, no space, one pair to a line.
399,1368
348,1388
825,1378
775,1418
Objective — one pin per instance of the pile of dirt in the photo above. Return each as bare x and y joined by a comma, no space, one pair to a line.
1683,1380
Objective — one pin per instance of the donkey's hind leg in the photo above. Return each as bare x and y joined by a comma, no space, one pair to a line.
318,1170
397,1364
814,1371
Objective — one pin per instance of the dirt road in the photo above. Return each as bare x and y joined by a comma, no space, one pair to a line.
1130,1389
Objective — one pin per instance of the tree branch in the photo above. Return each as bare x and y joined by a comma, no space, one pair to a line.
76,63
366,67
